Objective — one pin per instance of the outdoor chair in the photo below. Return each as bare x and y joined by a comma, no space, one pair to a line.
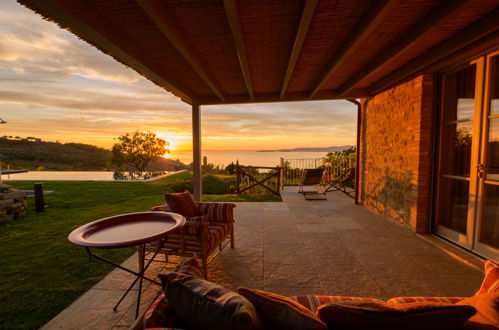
343,183
312,177
202,236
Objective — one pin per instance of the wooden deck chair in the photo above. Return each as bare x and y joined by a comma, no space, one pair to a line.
343,182
312,177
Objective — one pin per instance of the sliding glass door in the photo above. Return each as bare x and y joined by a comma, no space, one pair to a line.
467,194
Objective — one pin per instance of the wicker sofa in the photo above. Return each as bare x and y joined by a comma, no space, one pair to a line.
201,236
161,314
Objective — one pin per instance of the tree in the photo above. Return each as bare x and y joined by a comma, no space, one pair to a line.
135,150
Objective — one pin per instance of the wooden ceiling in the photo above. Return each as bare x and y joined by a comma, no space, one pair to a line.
229,51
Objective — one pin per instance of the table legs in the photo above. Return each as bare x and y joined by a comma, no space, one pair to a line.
138,275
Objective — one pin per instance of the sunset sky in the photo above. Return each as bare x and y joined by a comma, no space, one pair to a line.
57,87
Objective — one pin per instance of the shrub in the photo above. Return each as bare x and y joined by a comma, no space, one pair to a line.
181,185
215,185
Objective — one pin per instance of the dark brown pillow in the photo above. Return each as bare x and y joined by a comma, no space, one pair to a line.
487,307
279,312
372,315
182,203
206,305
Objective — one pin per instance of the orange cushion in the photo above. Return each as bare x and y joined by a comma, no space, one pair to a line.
373,315
182,203
490,282
487,306
279,312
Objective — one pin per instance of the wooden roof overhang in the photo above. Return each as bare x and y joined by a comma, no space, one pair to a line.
229,51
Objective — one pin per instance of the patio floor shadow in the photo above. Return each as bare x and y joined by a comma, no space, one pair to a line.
330,247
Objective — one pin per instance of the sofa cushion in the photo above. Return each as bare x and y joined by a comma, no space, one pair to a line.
279,312
487,306
206,305
182,203
191,267
404,300
161,313
374,315
312,302
490,283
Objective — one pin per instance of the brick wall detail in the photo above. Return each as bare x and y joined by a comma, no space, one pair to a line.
396,139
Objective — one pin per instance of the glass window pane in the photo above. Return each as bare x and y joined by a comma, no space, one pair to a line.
494,86
459,94
456,148
489,233
493,150
453,204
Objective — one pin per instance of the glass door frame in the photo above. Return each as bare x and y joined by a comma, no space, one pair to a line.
479,247
467,239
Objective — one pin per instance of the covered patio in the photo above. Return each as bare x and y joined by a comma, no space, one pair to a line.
327,247
387,53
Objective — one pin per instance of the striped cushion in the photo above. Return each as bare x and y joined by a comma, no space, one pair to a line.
405,300
218,212
161,313
216,232
313,302
191,267
490,282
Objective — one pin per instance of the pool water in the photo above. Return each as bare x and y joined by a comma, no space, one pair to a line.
83,176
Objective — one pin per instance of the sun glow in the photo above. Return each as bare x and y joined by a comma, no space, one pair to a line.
175,143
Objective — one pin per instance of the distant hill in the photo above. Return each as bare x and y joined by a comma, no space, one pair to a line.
33,153
326,149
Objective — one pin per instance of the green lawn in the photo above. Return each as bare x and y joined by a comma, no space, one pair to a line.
41,273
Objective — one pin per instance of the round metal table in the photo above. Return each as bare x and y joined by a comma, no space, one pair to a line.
124,230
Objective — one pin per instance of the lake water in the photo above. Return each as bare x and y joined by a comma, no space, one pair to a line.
222,158
70,176
254,158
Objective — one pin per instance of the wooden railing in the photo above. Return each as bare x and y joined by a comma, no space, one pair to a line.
252,180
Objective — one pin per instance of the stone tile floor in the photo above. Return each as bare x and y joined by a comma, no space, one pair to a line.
295,247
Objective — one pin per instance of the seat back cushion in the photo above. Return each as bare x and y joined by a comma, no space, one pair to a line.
161,313
490,283
218,212
205,305
182,203
487,306
312,302
279,312
373,315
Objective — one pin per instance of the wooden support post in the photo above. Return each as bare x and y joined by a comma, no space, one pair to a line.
196,152
357,151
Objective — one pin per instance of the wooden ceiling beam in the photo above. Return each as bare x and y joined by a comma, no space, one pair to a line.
475,33
436,18
306,19
232,14
290,97
156,12
82,20
367,25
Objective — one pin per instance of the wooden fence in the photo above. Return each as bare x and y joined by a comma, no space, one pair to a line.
258,180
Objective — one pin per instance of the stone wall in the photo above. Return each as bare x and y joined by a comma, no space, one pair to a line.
396,139
12,203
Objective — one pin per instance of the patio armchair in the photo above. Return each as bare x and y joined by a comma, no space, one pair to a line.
202,236
312,177
343,182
